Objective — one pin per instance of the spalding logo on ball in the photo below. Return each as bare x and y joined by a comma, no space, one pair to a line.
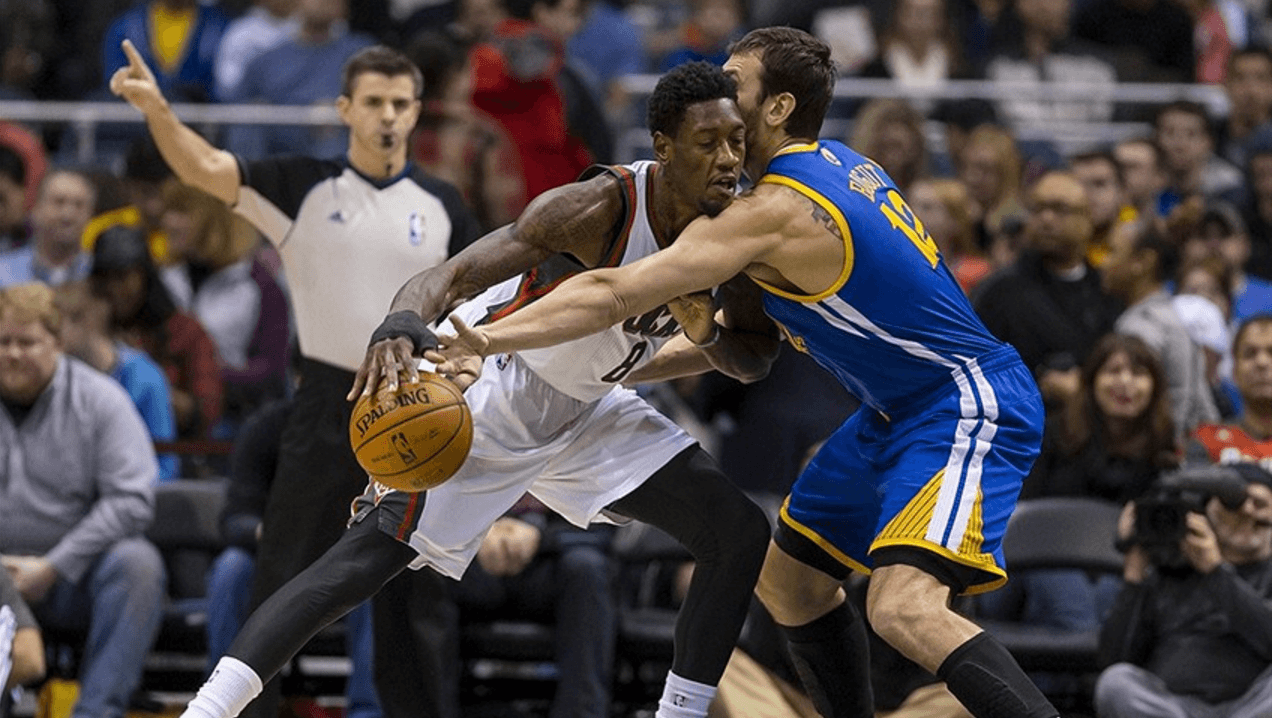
413,439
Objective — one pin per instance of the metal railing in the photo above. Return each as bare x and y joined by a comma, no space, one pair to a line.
84,118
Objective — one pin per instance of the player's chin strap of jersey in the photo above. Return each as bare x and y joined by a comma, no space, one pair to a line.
406,324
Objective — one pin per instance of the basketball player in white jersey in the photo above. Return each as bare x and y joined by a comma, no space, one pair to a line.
556,422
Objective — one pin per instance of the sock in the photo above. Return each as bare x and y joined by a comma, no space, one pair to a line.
232,685
832,656
683,698
988,682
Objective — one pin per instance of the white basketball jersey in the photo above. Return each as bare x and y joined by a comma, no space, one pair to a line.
589,367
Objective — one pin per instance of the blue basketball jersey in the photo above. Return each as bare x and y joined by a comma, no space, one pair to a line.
895,325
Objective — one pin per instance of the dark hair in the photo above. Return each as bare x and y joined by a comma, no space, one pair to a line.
1149,238
123,248
1103,155
383,60
144,163
12,166
1260,318
796,62
438,56
1187,107
1084,423
686,85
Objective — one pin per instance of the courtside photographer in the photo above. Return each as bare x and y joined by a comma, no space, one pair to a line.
1190,633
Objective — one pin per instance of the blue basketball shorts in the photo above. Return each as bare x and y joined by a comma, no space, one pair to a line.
939,480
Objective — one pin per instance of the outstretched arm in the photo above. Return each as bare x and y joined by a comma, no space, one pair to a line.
576,218
708,252
193,159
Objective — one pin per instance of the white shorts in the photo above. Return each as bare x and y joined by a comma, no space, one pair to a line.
576,457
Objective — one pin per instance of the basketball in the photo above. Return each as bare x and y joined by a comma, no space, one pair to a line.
414,439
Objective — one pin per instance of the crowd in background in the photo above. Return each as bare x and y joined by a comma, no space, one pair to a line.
1134,277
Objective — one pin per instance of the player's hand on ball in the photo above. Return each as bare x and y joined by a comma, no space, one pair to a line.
136,83
458,356
696,315
385,361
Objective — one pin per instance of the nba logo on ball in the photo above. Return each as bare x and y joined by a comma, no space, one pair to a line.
415,438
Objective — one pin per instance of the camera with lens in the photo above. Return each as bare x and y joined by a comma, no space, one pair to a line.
1160,514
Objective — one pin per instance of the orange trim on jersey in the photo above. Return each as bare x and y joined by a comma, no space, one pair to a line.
527,293
408,517
816,538
840,222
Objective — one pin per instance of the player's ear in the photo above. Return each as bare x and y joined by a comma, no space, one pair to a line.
343,103
780,108
662,147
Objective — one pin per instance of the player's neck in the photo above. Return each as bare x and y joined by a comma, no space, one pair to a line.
759,155
376,165
671,214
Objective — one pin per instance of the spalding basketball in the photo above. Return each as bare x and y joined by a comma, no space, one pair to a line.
415,438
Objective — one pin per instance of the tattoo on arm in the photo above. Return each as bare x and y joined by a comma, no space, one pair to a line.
823,217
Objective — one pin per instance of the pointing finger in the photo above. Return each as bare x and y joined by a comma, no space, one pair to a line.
134,57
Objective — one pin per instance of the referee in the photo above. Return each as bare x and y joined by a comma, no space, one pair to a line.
350,232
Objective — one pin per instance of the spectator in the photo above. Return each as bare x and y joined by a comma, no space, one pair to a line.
991,167
1222,235
1111,442
144,317
252,468
179,38
536,566
1206,325
86,336
711,26
1049,304
145,173
54,256
1194,640
1258,209
960,118
918,49
890,132
1101,176
21,645
515,73
1249,439
1185,135
302,70
1140,262
1153,38
1117,435
78,482
950,214
234,297
610,46
265,26
1041,52
1213,39
13,206
29,147
460,144
585,119
1249,90
1142,166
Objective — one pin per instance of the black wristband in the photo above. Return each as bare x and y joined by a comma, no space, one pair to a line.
406,324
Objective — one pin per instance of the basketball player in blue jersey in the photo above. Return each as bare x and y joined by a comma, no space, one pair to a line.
918,485
557,423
